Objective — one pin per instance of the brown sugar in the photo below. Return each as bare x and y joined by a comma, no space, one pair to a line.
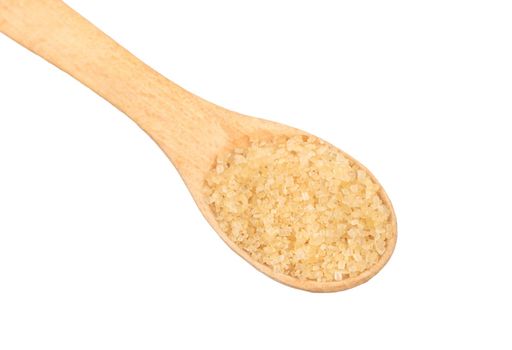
301,207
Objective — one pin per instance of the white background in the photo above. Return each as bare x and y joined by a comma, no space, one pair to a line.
101,246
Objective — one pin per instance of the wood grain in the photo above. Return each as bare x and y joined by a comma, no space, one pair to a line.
190,130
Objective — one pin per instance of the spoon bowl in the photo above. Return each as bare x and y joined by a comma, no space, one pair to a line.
240,129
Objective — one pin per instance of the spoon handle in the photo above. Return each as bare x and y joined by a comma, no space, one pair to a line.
54,31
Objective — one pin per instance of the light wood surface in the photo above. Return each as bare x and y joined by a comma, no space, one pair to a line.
190,130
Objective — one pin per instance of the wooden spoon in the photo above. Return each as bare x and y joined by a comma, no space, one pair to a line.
190,130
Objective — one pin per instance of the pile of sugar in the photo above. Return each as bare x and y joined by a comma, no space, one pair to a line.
301,207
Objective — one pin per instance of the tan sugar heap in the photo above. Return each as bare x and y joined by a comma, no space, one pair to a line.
301,207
